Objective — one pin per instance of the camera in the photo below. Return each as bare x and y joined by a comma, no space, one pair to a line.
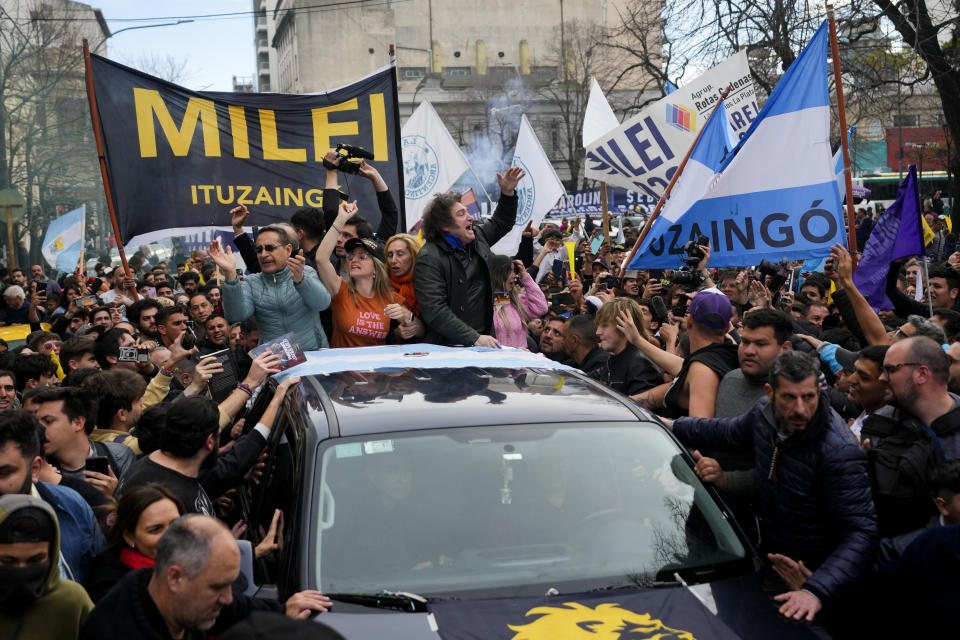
693,251
132,354
687,276
773,269
346,165
777,272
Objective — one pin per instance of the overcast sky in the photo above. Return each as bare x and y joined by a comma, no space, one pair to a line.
215,49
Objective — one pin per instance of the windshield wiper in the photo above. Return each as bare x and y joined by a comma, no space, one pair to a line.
396,600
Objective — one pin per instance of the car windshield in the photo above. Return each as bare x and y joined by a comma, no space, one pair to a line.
506,509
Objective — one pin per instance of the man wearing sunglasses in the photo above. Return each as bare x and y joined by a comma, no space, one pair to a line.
920,429
285,297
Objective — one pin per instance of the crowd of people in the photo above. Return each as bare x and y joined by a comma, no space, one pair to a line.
832,430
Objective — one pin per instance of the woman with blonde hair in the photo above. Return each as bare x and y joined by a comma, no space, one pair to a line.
401,252
516,299
364,303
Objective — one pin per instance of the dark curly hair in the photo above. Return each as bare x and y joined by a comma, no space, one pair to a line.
437,215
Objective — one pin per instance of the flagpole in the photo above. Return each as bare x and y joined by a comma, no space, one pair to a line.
673,181
605,211
91,94
841,108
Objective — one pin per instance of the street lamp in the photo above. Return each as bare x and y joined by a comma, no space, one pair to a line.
142,26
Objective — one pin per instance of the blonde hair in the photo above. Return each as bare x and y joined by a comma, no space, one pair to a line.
412,245
382,287
610,311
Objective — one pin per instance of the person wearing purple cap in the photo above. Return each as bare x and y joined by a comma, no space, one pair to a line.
711,357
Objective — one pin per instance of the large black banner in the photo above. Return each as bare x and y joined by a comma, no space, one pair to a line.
179,160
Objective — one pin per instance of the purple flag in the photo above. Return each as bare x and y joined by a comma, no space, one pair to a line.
896,235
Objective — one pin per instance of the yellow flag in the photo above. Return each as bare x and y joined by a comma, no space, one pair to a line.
927,231
949,222
420,237
570,252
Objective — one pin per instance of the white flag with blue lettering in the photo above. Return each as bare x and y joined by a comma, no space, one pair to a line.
776,195
644,152
538,192
432,161
63,243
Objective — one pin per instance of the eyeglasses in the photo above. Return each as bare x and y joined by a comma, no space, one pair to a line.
269,248
358,256
891,369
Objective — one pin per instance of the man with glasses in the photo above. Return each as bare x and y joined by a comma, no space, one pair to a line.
908,438
285,297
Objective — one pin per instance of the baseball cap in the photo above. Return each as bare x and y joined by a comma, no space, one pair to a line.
711,308
368,245
631,274
552,234
846,359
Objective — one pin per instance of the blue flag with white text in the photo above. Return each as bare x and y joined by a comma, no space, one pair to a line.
776,196
896,235
63,243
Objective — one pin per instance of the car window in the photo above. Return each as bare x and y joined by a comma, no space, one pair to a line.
447,511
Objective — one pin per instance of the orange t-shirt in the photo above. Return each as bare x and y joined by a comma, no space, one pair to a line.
359,326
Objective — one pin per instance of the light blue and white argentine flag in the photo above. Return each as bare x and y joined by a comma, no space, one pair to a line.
776,196
63,243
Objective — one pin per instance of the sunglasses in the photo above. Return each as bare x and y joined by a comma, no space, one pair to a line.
269,248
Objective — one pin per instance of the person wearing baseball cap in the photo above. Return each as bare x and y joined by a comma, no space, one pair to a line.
363,303
711,357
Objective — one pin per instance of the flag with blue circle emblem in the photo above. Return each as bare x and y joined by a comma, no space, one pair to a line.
538,191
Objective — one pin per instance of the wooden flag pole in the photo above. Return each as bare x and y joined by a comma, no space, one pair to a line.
91,94
673,181
841,108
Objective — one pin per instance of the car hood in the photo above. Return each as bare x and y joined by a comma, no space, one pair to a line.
739,603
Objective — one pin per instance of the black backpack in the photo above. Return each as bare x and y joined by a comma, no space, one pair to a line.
899,460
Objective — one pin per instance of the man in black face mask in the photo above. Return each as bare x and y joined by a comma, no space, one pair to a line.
35,602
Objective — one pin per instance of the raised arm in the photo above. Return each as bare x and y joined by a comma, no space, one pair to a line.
869,322
505,215
325,269
389,214
238,215
670,363
236,297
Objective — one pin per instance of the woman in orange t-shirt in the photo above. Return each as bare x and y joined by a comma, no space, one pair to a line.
364,303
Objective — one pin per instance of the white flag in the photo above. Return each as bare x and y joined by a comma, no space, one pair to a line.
537,192
432,160
598,119
643,153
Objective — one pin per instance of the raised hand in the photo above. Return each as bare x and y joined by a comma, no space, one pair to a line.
238,215
223,259
626,325
508,181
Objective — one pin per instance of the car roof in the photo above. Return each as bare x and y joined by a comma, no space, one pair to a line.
383,389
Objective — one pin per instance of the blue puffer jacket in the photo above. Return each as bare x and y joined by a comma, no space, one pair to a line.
279,305
813,490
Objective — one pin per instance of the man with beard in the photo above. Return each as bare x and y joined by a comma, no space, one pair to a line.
143,314
551,339
813,491
8,391
35,602
920,429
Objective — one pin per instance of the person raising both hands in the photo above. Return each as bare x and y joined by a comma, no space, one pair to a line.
364,302
285,296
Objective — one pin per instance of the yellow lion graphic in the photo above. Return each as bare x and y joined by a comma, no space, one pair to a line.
607,622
